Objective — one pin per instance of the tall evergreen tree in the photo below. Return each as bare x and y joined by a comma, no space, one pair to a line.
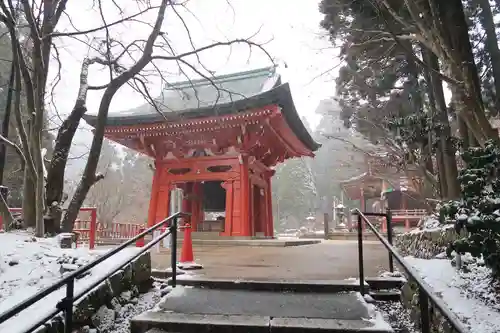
294,193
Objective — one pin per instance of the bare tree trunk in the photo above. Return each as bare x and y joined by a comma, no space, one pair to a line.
491,43
39,183
65,135
89,176
35,84
29,201
6,121
30,175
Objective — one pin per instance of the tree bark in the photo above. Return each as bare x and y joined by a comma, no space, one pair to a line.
417,105
65,135
29,201
30,175
491,43
443,186
464,69
6,122
447,150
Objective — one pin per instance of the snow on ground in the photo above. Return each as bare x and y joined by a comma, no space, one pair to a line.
468,294
376,317
397,316
29,264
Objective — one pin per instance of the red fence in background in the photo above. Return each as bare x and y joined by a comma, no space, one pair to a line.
96,233
14,211
92,232
87,228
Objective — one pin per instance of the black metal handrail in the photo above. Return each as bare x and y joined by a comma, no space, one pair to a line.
425,292
66,304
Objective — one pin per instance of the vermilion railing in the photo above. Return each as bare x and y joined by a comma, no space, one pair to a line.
87,228
409,213
96,233
13,211
91,222
92,232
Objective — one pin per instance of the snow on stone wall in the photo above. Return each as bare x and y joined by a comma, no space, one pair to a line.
428,241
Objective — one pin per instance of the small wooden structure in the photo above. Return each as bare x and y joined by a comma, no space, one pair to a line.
218,140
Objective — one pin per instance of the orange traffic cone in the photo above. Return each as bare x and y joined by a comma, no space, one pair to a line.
140,242
187,257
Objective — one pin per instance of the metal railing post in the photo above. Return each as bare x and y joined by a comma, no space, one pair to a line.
423,302
388,218
68,306
173,253
360,256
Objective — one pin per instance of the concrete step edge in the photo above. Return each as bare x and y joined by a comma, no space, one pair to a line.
386,296
379,283
195,323
329,286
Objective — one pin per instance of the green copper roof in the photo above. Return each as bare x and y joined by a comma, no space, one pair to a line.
225,94
196,94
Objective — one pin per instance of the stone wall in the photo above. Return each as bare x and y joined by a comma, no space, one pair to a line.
121,288
425,244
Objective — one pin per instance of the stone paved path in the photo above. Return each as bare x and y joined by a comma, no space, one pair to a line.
330,260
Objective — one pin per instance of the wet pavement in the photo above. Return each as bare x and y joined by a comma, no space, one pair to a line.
329,260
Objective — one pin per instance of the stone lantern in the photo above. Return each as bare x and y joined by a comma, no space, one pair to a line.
340,216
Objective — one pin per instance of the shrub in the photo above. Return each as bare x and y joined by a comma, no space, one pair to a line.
477,214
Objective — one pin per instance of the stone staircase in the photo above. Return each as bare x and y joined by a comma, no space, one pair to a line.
242,306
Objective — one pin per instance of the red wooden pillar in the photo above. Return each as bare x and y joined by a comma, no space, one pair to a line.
263,210
269,208
153,201
244,198
229,218
186,200
252,207
196,206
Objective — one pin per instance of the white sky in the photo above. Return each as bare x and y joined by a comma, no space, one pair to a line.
293,33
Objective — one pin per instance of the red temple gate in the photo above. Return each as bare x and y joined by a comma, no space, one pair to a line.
217,140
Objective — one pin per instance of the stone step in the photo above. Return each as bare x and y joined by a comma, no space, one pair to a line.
328,286
193,310
154,322
386,295
385,283
164,273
